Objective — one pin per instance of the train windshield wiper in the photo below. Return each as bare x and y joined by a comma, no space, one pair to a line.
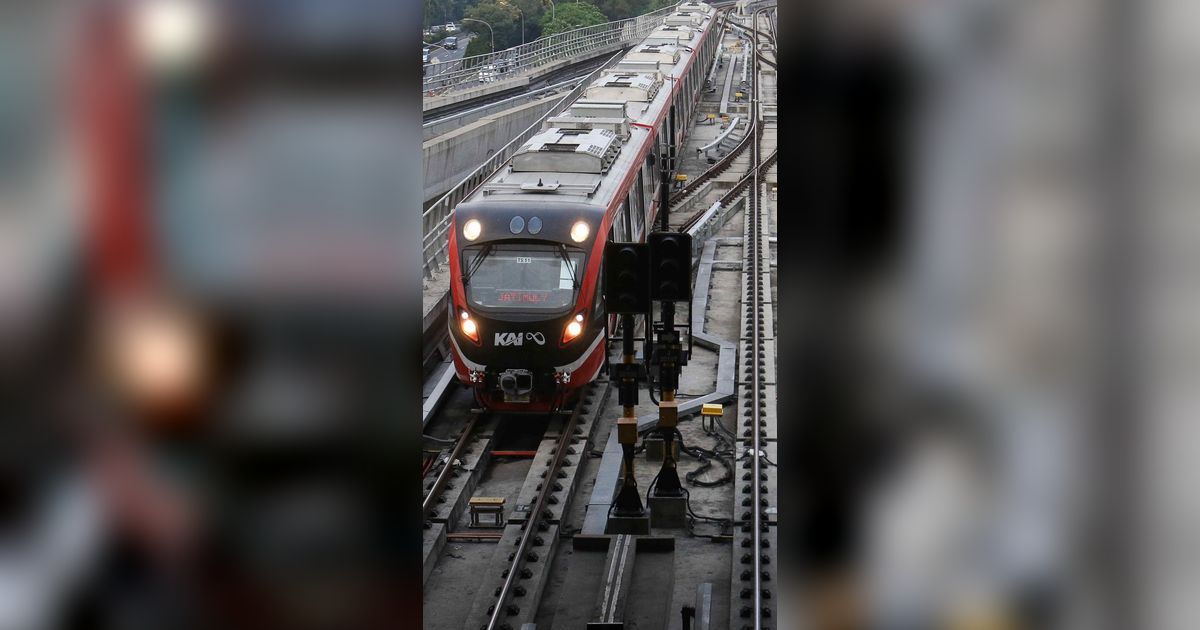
566,257
476,262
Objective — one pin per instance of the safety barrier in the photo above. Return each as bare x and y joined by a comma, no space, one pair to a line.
448,76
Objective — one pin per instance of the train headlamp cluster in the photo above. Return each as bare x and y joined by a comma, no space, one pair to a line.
173,35
157,355
574,328
469,327
472,229
579,231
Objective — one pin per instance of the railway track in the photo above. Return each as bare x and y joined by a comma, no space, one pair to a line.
753,568
577,70
447,470
517,556
725,162
752,137
539,520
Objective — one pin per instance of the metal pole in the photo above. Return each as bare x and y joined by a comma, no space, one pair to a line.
672,140
491,32
668,409
628,502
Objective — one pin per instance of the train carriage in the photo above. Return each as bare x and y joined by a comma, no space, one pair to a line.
527,323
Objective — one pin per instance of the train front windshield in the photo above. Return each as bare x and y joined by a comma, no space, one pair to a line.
522,277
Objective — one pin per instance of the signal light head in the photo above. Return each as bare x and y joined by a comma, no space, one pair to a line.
472,229
670,266
579,231
626,290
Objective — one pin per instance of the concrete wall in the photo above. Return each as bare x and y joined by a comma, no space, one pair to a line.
452,156
432,130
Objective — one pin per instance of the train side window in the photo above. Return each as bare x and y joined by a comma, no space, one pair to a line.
635,213
598,306
623,216
621,226
651,181
642,206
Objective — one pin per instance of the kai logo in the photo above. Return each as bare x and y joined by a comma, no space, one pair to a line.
518,339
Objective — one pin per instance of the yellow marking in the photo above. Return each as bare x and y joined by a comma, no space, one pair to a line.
711,410
486,501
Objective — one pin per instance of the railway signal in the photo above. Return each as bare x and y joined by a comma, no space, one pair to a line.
670,266
670,282
627,293
626,283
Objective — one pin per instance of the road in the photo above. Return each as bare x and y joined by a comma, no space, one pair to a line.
440,58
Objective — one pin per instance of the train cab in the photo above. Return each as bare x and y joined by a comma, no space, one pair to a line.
526,318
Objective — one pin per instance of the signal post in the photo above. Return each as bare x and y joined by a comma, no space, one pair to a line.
627,293
670,282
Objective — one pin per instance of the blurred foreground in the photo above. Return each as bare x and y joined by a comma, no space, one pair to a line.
206,326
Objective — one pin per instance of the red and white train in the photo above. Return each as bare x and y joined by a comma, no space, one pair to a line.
527,323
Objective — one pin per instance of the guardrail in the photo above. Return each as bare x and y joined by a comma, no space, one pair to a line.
435,221
704,224
444,77
732,125
755,131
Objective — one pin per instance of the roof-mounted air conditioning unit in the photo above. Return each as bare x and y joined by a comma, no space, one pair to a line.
568,151
619,126
598,109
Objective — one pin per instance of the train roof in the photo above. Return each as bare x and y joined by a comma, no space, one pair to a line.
581,157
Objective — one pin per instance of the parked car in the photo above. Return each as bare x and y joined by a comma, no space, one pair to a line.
451,28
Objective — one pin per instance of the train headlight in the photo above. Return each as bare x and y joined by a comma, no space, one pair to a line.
579,231
469,327
573,329
173,34
157,356
471,229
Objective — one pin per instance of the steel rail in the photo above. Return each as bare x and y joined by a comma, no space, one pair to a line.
530,525
733,193
444,474
754,243
755,210
722,165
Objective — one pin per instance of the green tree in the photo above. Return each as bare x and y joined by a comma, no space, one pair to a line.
621,9
571,16
504,19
